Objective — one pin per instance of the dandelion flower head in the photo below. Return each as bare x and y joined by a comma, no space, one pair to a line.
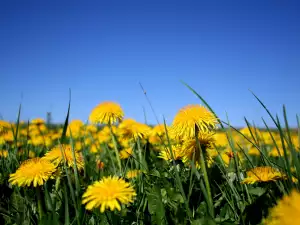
34,171
55,156
286,212
263,174
106,113
108,193
192,118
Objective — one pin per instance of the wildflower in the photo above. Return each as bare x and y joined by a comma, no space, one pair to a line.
263,174
75,128
4,126
56,156
177,151
108,193
126,153
192,118
130,129
132,173
3,153
37,121
104,135
275,153
253,151
191,148
286,211
36,171
91,129
31,154
95,148
106,113
221,139
157,134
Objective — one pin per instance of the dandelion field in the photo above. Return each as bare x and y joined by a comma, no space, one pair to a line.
115,170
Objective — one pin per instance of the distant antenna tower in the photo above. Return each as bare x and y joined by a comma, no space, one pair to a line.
49,118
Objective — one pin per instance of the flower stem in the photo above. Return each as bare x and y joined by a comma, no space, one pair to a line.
40,204
115,148
206,181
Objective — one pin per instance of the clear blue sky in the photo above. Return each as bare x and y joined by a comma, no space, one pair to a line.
103,49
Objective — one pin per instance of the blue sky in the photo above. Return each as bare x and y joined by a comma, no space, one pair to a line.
103,49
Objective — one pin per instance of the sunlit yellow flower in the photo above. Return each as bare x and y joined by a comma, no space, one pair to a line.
56,156
263,174
36,171
157,134
75,128
108,193
255,132
3,153
31,154
95,148
104,135
286,212
4,126
132,173
91,129
191,149
227,156
37,121
177,151
126,153
221,139
42,128
131,130
8,136
37,140
78,146
192,118
275,153
106,113
253,151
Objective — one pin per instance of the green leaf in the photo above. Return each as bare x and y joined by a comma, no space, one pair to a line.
155,205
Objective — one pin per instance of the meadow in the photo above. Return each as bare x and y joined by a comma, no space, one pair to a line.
115,170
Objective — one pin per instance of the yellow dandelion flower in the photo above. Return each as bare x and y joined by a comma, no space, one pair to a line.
37,140
3,153
193,117
274,152
95,148
221,139
253,151
131,130
56,157
4,126
106,113
75,128
37,121
126,153
108,193
8,137
133,173
227,156
177,151
91,129
36,171
191,150
157,134
286,211
104,135
263,174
